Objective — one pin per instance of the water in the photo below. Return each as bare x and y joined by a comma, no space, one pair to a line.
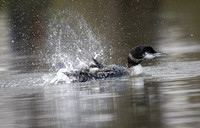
67,34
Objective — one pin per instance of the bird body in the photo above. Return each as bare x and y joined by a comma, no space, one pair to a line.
98,71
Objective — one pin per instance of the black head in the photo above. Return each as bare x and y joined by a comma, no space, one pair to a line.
140,53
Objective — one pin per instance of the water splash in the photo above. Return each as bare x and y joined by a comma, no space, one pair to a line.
72,42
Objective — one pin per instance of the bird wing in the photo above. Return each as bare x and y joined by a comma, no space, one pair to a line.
99,65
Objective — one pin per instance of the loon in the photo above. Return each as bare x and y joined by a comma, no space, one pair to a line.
98,71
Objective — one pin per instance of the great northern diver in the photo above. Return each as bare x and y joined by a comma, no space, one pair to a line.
99,71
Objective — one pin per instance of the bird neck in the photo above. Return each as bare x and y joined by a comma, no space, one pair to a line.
133,61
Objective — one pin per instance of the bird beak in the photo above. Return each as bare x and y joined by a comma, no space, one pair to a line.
159,54
153,55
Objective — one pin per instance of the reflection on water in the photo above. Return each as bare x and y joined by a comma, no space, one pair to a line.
117,103
39,37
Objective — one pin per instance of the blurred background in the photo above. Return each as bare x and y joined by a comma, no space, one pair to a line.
33,31
38,37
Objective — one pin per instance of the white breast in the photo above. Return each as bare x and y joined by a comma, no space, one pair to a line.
136,70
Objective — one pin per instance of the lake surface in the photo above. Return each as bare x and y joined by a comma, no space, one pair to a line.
39,38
